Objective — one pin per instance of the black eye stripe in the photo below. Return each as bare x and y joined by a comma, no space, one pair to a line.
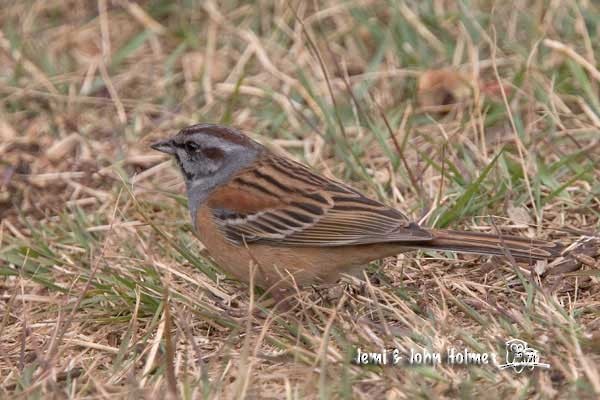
212,153
191,147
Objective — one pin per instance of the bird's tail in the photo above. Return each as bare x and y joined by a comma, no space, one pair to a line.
491,244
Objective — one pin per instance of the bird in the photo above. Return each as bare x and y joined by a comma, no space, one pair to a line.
269,220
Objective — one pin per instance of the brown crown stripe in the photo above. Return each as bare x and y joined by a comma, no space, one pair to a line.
222,132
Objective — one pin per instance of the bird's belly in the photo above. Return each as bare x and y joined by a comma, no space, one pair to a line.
285,265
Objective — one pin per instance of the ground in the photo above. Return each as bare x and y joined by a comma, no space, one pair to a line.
478,115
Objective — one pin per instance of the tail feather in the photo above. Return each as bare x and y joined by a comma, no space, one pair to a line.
490,244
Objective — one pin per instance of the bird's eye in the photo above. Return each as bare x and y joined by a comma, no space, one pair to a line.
191,147
212,152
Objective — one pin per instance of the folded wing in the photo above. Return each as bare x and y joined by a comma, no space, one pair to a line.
282,202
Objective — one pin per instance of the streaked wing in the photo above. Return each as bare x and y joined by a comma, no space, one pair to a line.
278,201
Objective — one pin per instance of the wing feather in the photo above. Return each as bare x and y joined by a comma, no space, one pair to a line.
280,202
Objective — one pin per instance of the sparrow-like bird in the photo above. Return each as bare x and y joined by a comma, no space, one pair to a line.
250,206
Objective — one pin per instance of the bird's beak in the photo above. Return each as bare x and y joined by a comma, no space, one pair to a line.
166,146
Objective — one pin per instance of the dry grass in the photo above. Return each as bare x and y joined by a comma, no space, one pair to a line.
105,293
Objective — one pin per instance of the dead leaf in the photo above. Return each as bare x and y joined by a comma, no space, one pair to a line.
541,266
7,132
519,215
439,87
63,147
